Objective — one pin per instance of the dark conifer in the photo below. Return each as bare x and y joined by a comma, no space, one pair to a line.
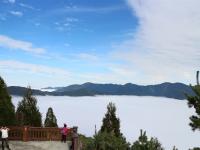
111,124
109,137
50,120
7,110
194,102
27,111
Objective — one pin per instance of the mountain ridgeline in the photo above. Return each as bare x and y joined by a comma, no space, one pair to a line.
170,90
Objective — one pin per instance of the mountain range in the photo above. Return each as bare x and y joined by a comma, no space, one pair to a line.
170,90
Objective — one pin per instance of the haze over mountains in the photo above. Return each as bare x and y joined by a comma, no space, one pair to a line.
170,90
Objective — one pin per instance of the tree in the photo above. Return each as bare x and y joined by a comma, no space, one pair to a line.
7,109
195,148
143,143
50,120
87,143
108,141
110,122
28,112
194,102
109,137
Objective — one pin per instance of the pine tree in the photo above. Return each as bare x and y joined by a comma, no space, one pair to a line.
28,112
108,141
50,120
7,110
194,102
111,123
143,143
109,137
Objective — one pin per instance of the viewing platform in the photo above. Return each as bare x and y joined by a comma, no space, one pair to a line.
42,138
39,145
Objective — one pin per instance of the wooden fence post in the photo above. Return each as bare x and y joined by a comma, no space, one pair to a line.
25,133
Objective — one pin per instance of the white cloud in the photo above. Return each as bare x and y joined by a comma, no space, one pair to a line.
11,43
82,9
60,29
87,57
65,25
37,24
57,23
72,19
63,28
32,68
113,75
11,1
23,74
16,13
166,45
28,6
93,9
66,44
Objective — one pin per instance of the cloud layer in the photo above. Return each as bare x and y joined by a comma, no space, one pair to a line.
22,74
166,44
11,43
32,68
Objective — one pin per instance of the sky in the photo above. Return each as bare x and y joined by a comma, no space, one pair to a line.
63,42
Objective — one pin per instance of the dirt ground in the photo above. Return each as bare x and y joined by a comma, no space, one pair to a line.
46,145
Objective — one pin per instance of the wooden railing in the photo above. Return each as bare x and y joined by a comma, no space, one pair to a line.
27,133
16,133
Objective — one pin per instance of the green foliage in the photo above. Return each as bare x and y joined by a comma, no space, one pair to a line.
109,137
108,141
111,124
87,143
7,110
143,143
50,120
194,102
27,111
195,148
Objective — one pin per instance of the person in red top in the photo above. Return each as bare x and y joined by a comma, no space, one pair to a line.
64,133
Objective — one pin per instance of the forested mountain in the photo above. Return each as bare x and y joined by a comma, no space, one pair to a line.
170,90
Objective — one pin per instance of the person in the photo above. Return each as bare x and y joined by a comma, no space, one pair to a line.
64,132
4,137
74,137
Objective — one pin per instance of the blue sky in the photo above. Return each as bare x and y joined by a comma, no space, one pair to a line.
57,43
